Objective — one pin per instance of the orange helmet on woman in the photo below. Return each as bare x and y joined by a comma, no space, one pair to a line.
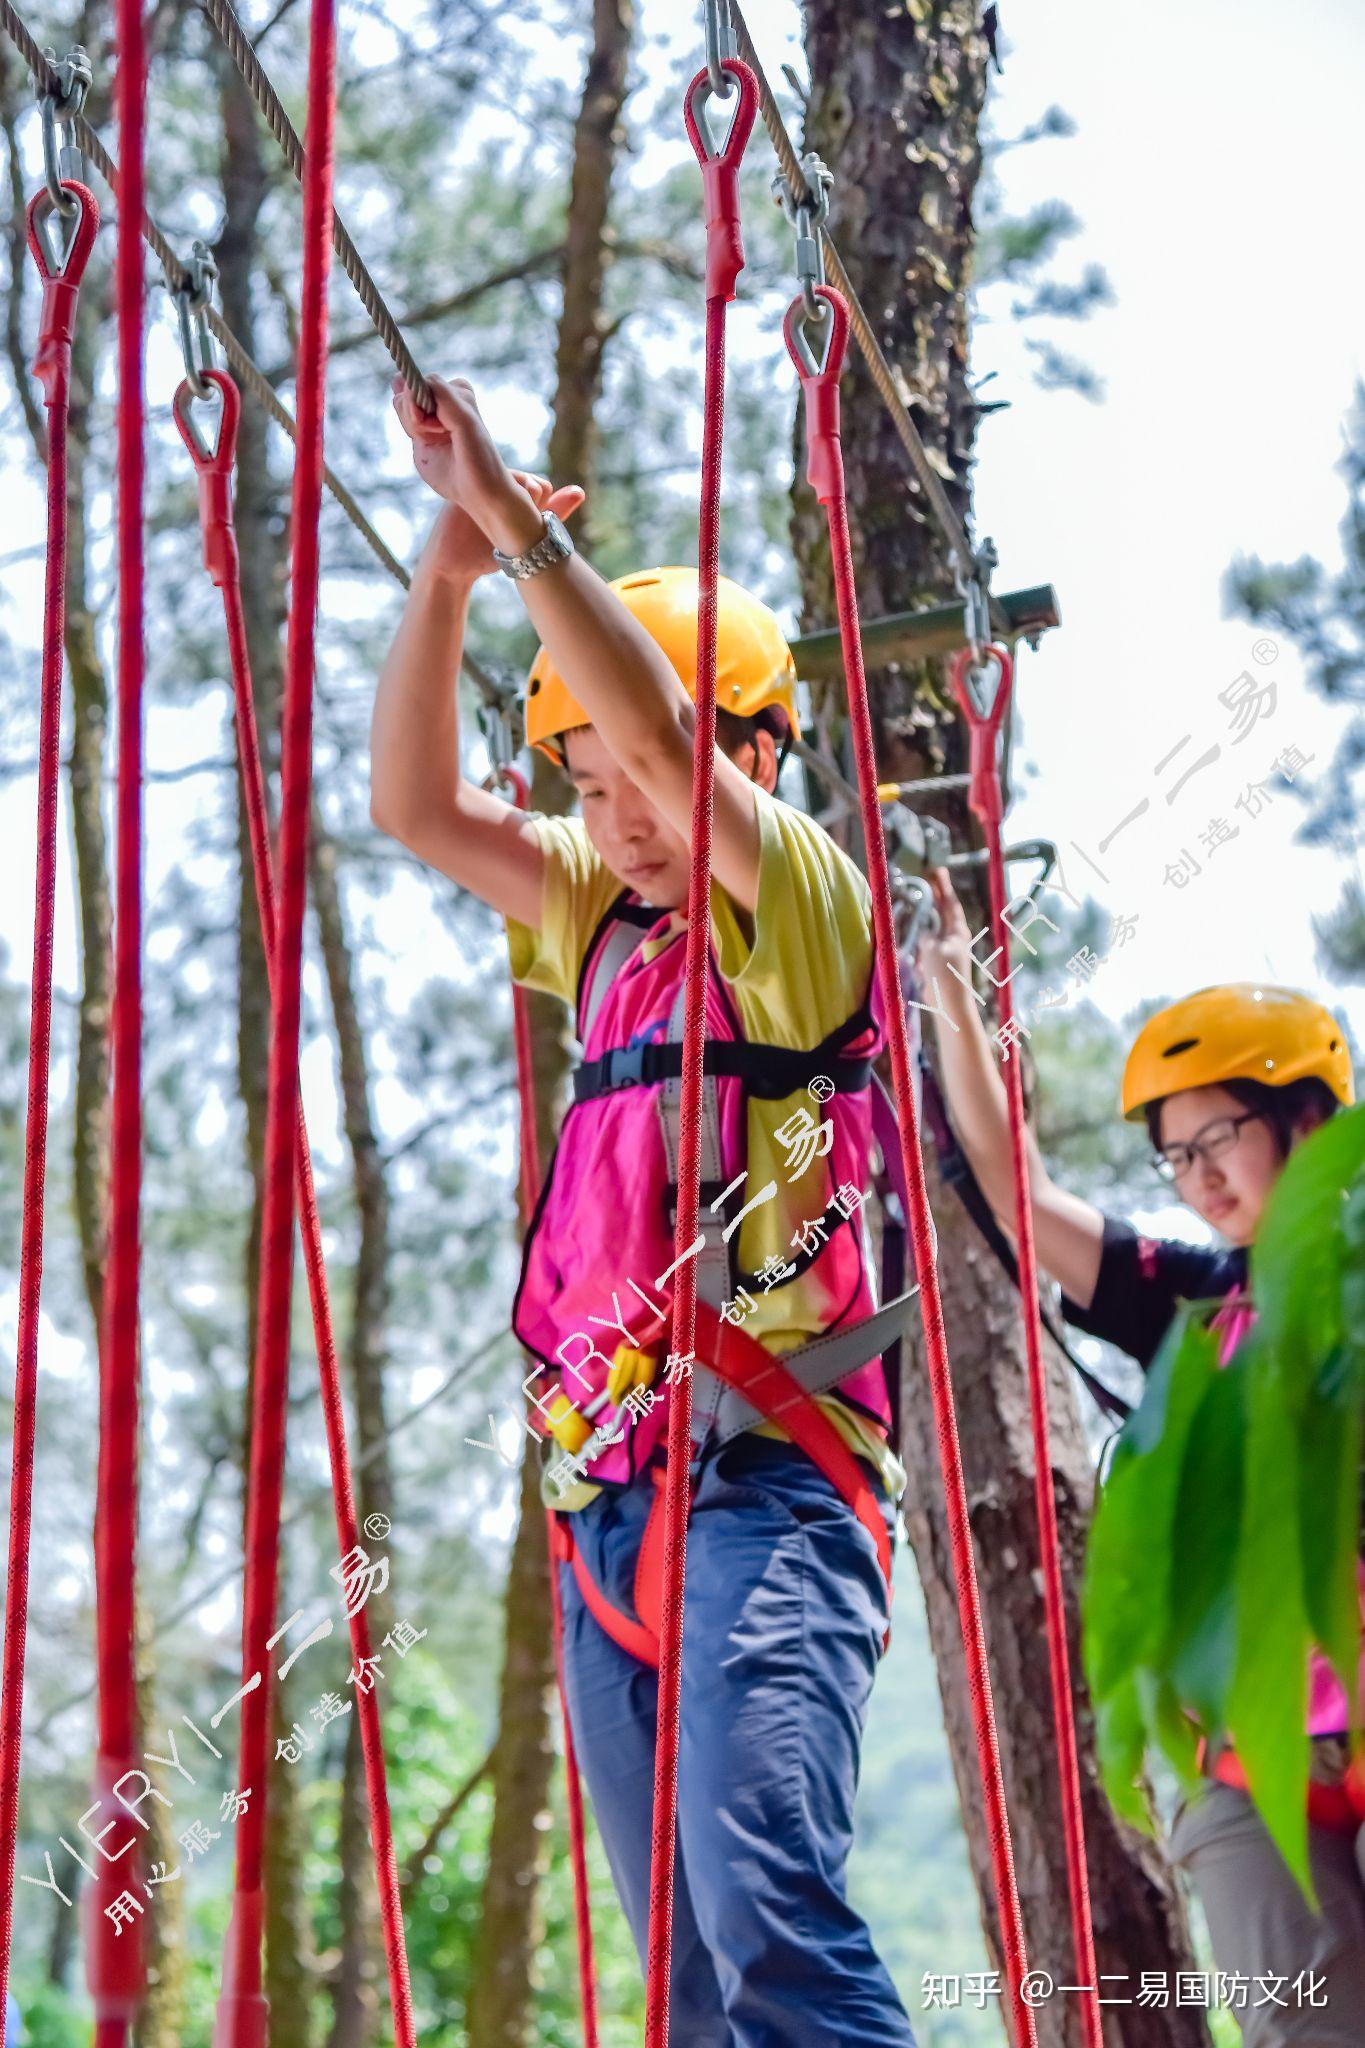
1240,1031
754,666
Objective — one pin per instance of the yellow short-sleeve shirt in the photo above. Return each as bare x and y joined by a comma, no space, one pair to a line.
796,973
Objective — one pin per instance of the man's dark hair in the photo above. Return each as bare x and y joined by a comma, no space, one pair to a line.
734,731
1281,1107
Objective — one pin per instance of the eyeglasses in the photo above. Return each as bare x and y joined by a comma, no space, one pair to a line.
1215,1139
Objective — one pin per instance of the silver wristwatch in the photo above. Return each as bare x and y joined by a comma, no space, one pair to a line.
554,545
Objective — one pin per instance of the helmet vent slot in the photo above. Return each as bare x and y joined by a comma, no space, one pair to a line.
1181,1045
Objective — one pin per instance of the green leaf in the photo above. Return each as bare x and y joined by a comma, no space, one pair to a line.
1265,1714
1329,1449
1120,1741
1299,1253
1200,1649
1130,1561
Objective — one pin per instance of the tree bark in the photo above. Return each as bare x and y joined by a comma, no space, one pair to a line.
501,1988
290,1967
583,326
895,104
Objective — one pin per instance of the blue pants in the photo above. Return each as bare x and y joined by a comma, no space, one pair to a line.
782,1630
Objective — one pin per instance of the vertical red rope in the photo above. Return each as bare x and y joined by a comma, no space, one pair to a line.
826,473
52,366
724,260
114,1959
530,1191
986,802
242,2013
214,470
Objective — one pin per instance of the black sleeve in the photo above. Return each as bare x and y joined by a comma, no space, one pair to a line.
1142,1281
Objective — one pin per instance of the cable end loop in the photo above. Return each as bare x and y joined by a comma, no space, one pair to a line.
213,465
820,384
61,271
984,719
720,164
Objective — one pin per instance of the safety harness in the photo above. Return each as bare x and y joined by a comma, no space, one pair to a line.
736,1381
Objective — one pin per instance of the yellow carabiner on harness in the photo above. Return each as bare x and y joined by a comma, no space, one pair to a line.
630,1368
569,1427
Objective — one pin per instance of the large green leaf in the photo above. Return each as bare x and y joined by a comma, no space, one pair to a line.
1120,1742
1299,1253
1266,1705
1329,1449
1130,1560
1227,1536
1200,1649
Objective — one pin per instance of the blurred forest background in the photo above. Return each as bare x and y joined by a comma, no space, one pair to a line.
518,179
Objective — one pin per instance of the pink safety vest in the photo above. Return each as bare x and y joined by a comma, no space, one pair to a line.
1328,1713
596,1258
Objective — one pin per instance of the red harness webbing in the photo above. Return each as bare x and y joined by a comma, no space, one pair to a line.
825,470
242,2016
52,367
986,801
1338,1807
744,1364
214,471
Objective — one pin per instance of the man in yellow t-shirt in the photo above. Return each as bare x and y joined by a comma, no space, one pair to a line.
787,1604
796,970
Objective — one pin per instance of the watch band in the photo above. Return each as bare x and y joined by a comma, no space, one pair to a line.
554,545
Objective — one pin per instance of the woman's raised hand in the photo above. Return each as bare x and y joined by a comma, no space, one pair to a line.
949,950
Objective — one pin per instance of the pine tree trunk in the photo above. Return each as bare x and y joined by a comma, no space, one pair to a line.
501,1988
894,109
289,1951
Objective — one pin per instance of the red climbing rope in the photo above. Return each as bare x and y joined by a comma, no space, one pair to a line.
213,468
52,367
242,2017
985,800
724,261
825,471
114,1955
530,1191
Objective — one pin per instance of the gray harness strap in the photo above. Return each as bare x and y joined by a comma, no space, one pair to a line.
617,947
821,1364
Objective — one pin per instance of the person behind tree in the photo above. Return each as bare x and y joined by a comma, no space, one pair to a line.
787,1603
1228,1081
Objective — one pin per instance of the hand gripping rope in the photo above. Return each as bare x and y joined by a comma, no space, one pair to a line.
52,366
530,1190
213,468
242,2017
983,724
825,471
724,261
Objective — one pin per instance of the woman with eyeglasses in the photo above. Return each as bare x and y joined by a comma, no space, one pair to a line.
1228,1081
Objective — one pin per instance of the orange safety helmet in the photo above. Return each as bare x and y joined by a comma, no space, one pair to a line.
1241,1031
754,666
